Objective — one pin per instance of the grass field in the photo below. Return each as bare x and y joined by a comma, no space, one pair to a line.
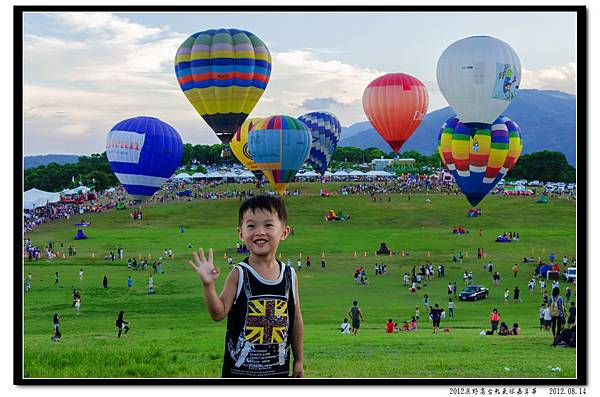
172,335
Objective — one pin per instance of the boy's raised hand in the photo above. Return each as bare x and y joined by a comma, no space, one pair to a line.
204,267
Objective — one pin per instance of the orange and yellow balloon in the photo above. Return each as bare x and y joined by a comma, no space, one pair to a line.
239,146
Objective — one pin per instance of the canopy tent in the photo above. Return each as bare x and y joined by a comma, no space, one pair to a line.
328,174
309,174
378,173
246,174
34,198
198,175
182,177
357,173
77,190
340,173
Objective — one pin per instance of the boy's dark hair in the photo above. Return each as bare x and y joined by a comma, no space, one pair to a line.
266,203
355,303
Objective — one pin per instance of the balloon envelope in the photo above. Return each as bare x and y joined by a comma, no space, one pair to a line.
223,73
239,146
395,104
143,153
279,145
325,129
479,158
479,76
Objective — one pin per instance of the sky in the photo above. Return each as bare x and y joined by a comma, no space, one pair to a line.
84,72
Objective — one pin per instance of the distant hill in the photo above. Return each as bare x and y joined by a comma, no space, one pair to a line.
547,120
36,161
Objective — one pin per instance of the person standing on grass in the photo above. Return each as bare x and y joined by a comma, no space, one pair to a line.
81,274
506,294
129,283
28,283
105,282
323,263
259,297
572,315
542,320
557,311
56,325
121,325
515,270
454,289
56,278
450,308
517,295
568,294
494,320
356,315
436,315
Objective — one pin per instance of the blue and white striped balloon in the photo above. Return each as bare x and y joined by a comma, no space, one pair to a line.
325,129
143,153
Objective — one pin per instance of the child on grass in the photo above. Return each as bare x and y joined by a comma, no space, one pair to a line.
259,297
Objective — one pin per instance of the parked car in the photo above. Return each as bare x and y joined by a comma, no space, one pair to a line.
473,293
570,274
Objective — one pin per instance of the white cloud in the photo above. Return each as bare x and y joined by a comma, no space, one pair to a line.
562,78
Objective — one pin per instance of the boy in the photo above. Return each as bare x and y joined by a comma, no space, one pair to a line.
259,298
542,320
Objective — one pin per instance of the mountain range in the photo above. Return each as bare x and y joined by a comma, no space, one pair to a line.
547,120
35,161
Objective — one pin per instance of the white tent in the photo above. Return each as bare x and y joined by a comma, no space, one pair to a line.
198,175
182,177
246,174
340,173
34,198
309,174
357,173
328,174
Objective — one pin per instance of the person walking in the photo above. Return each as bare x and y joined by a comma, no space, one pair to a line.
356,315
515,270
129,283
105,282
436,315
517,295
122,325
557,311
56,325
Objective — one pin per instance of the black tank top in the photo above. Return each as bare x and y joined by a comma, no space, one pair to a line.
260,324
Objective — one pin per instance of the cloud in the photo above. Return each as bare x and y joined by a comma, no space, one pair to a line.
319,103
562,78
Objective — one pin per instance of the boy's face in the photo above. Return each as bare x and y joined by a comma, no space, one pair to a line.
262,231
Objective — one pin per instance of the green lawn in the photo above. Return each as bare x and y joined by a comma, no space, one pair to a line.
172,335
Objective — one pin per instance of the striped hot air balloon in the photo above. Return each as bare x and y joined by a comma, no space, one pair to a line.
279,145
223,73
239,146
479,158
325,129
395,104
143,153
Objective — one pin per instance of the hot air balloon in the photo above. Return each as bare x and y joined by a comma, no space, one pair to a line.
239,146
223,73
395,104
479,76
325,129
479,158
279,145
143,153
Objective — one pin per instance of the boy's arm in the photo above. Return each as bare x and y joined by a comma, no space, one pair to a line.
298,337
218,305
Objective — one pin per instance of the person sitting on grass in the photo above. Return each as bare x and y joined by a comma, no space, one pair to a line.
345,327
515,329
503,331
389,327
413,324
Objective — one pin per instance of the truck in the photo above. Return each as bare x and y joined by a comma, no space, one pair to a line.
570,274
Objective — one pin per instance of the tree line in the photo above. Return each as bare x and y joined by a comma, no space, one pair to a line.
95,171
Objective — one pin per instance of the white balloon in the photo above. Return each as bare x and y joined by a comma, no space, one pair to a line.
479,76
